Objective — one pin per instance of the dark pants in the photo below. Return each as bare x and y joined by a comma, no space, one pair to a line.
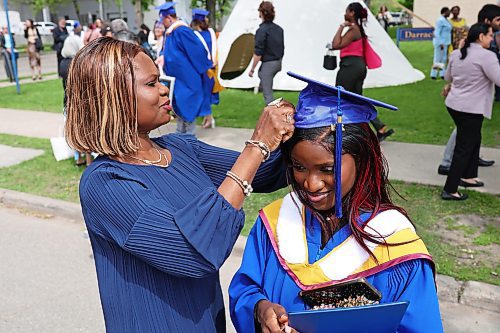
466,154
351,75
9,69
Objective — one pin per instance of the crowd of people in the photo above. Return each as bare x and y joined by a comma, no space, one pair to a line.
468,58
163,213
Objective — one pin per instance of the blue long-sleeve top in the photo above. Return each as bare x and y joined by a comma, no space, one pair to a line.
261,276
160,235
442,32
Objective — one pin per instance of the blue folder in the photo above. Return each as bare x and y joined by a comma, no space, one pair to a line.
379,318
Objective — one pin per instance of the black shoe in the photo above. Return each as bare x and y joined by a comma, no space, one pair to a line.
382,136
485,163
442,170
448,196
433,78
477,183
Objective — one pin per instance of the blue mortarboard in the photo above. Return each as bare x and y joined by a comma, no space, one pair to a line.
200,14
76,24
166,9
321,105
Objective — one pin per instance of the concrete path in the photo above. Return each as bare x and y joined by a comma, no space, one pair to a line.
14,155
48,283
408,162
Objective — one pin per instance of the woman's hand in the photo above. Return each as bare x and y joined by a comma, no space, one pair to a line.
272,317
275,124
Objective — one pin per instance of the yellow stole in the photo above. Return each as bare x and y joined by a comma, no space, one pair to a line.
284,222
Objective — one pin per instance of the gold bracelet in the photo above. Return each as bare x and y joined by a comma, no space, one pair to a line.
264,149
245,186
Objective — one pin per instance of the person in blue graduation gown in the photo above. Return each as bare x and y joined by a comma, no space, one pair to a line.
207,35
162,214
309,239
185,58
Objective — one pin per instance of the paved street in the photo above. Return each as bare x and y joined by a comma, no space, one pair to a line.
48,282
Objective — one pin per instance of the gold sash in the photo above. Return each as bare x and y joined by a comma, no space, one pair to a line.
284,222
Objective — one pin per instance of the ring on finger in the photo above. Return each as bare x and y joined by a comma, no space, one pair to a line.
288,118
276,102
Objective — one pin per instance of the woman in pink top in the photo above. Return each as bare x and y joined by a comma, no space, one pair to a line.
352,71
473,71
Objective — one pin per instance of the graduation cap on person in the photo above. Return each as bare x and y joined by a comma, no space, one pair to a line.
200,14
166,9
322,105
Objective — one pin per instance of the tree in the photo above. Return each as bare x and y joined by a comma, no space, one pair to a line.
217,8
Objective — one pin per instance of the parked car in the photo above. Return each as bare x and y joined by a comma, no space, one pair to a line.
400,18
45,28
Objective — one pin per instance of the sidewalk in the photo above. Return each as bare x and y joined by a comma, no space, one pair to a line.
407,161
466,307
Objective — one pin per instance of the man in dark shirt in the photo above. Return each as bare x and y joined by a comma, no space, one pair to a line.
269,48
59,33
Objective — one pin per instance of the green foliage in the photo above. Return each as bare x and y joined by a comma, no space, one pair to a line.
220,8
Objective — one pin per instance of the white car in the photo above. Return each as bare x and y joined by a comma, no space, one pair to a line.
45,28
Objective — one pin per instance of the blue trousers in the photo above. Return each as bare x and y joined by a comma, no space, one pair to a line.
440,57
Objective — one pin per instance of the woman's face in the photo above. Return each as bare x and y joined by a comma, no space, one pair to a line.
349,15
28,24
313,170
159,29
455,11
153,104
485,40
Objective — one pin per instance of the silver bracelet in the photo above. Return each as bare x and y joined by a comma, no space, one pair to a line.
264,149
245,186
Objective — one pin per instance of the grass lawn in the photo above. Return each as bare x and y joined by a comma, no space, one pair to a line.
41,96
44,176
422,116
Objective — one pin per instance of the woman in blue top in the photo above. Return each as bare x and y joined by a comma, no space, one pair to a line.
302,242
162,214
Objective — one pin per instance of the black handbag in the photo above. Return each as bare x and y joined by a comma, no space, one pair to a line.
330,60
38,44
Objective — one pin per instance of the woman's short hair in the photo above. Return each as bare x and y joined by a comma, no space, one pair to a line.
266,8
101,108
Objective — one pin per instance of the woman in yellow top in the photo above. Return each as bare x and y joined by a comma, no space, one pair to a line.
459,28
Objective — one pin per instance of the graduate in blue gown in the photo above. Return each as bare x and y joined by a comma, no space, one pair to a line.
186,59
311,239
162,213
207,35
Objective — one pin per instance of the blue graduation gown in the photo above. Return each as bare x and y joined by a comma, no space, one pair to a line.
186,59
212,98
261,276
160,235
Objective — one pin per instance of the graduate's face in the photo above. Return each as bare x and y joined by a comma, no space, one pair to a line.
153,104
313,170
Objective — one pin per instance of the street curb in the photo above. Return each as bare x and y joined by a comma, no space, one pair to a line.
472,293
43,205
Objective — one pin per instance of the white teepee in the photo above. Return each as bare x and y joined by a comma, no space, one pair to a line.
308,27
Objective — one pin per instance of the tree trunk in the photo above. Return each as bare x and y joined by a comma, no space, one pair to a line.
138,14
77,9
211,9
